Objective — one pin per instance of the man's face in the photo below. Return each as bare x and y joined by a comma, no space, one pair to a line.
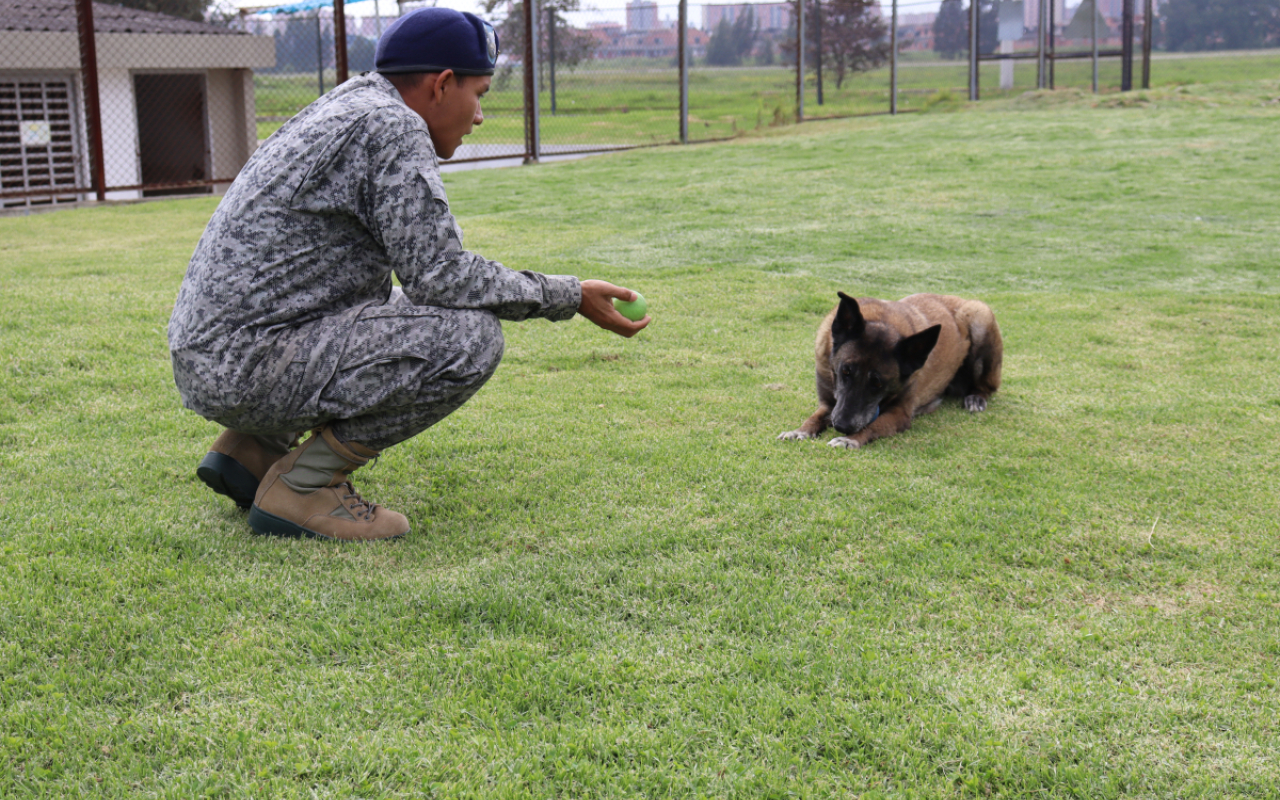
456,111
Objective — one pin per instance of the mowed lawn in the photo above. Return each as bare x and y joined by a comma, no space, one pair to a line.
619,583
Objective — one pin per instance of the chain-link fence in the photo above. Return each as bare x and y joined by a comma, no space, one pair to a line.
742,76
309,62
607,77
148,104
1095,45
102,101
306,55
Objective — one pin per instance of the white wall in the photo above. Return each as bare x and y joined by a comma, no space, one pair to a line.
47,51
231,140
119,131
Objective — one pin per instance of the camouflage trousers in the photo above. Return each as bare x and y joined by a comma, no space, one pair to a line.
401,369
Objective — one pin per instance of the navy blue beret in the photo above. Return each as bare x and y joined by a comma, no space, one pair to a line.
436,39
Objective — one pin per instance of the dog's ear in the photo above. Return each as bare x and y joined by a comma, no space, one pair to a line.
848,324
914,350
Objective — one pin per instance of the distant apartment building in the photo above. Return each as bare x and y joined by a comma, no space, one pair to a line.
926,18
606,31
642,15
613,41
769,16
915,31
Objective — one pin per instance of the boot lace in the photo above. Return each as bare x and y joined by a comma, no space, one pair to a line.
357,505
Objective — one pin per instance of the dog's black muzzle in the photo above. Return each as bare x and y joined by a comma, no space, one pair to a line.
851,424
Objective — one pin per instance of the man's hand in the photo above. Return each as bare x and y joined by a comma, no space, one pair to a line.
597,306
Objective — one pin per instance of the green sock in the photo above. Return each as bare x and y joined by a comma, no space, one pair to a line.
314,468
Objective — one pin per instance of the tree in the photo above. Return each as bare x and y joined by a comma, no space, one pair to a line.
296,47
854,38
765,55
732,41
1220,24
186,9
988,26
361,53
951,30
573,46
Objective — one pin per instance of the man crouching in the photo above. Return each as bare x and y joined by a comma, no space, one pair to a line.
287,319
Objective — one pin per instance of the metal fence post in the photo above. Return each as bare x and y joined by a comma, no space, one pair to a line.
817,9
532,120
1094,33
799,61
551,56
973,49
1041,71
1126,46
89,83
1053,52
1148,30
319,53
682,50
893,61
339,42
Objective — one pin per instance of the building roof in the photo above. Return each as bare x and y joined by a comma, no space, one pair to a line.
60,16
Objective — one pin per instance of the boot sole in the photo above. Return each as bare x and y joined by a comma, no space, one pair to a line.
268,524
229,477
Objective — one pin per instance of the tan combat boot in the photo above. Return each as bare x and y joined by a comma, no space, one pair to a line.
307,493
236,462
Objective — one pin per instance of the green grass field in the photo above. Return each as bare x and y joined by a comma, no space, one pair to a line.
638,103
619,583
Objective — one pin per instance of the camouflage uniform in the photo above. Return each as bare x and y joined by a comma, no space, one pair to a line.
287,318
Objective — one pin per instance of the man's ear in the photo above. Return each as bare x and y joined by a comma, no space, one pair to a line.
914,350
440,83
848,324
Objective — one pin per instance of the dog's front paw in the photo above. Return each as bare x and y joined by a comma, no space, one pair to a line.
975,403
789,436
844,441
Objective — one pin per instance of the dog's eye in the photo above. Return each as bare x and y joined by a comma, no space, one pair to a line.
874,381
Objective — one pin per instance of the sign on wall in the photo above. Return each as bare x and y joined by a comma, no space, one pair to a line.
36,133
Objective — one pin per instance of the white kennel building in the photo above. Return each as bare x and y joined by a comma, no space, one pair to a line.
176,99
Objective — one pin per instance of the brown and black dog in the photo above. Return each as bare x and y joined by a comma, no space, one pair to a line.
882,363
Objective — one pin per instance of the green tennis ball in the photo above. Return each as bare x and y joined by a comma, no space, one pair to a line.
635,310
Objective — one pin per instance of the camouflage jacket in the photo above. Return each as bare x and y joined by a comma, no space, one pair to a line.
342,196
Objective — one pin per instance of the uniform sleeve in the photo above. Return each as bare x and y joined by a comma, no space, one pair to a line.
407,210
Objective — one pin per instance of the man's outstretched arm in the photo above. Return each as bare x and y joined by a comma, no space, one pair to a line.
408,213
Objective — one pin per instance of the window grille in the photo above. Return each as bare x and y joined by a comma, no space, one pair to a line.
39,141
